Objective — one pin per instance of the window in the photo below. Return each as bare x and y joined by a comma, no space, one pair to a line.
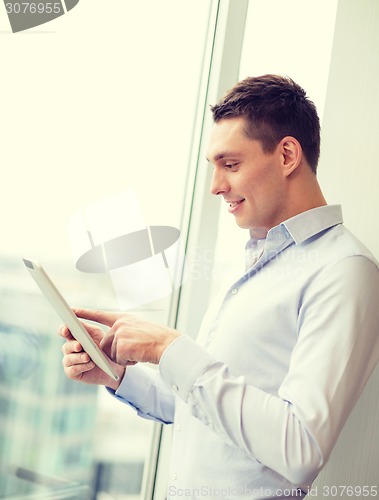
98,108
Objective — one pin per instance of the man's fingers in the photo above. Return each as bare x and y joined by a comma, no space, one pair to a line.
116,348
121,352
71,346
107,343
64,332
103,317
75,359
76,364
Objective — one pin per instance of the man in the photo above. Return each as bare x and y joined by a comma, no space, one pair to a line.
284,354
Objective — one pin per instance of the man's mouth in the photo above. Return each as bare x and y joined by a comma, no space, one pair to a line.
234,205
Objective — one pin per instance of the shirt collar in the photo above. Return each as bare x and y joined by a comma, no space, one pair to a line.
314,221
298,229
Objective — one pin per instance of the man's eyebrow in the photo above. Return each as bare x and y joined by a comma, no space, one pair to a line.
228,154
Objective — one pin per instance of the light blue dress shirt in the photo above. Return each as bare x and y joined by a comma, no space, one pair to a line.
259,400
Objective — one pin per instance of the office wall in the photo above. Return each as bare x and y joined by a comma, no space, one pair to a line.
349,175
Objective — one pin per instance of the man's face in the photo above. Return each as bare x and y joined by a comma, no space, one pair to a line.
250,181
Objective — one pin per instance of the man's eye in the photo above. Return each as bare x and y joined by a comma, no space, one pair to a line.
230,165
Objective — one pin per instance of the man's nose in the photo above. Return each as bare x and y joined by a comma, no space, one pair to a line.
219,184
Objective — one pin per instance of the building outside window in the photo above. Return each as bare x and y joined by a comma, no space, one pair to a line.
98,105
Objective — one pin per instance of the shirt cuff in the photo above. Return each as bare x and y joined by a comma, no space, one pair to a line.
182,363
136,381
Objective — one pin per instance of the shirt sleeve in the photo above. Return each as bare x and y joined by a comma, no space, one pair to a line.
144,390
294,431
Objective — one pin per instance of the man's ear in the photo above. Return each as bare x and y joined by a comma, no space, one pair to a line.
291,154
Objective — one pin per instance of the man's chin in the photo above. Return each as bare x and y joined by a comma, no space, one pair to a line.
256,231
242,223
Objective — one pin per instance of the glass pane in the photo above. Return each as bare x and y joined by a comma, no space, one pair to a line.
97,113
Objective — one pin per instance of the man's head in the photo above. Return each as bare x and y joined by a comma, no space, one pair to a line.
264,149
273,107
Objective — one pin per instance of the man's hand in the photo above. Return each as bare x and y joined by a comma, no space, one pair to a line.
78,365
130,338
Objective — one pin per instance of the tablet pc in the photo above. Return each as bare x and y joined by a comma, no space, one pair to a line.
68,317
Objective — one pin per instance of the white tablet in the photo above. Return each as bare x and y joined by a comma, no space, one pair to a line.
68,317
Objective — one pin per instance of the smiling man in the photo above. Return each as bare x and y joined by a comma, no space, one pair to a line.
284,353
258,185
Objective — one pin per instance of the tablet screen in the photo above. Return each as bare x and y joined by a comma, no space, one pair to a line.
68,317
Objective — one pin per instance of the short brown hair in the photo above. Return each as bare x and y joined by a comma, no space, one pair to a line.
274,107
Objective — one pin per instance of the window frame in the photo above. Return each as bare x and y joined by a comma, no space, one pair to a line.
220,71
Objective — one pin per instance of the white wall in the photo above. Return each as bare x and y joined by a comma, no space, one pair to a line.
292,38
349,175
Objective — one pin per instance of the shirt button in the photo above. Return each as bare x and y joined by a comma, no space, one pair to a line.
234,291
174,477
178,427
175,387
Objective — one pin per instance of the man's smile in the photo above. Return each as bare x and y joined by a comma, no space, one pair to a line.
234,205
